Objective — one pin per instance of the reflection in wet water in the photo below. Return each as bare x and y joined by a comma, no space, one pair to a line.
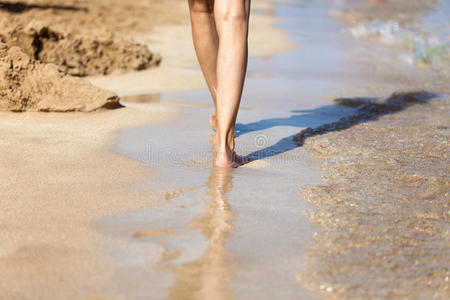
209,276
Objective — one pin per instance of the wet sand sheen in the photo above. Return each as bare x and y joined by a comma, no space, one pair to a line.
209,276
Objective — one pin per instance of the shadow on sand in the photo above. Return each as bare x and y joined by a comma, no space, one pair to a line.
20,7
369,109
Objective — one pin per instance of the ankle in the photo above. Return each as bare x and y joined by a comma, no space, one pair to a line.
226,136
222,148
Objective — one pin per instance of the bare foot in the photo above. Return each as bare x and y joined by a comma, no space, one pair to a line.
213,121
229,159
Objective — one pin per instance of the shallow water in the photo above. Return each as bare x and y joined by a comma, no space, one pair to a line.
242,234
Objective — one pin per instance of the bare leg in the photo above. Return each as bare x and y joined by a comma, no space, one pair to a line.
231,17
206,43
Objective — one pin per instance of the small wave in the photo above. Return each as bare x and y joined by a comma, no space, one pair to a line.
422,46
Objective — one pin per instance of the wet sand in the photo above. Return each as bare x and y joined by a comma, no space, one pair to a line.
383,202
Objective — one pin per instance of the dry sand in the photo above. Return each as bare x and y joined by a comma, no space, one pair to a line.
79,55
84,16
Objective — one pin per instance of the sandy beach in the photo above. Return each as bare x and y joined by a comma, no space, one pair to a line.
106,182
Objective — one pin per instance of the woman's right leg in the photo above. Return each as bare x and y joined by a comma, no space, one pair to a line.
206,44
231,17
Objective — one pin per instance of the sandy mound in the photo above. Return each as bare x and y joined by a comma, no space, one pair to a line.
80,55
77,34
28,84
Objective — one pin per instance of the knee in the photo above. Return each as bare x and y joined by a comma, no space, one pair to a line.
231,11
201,6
